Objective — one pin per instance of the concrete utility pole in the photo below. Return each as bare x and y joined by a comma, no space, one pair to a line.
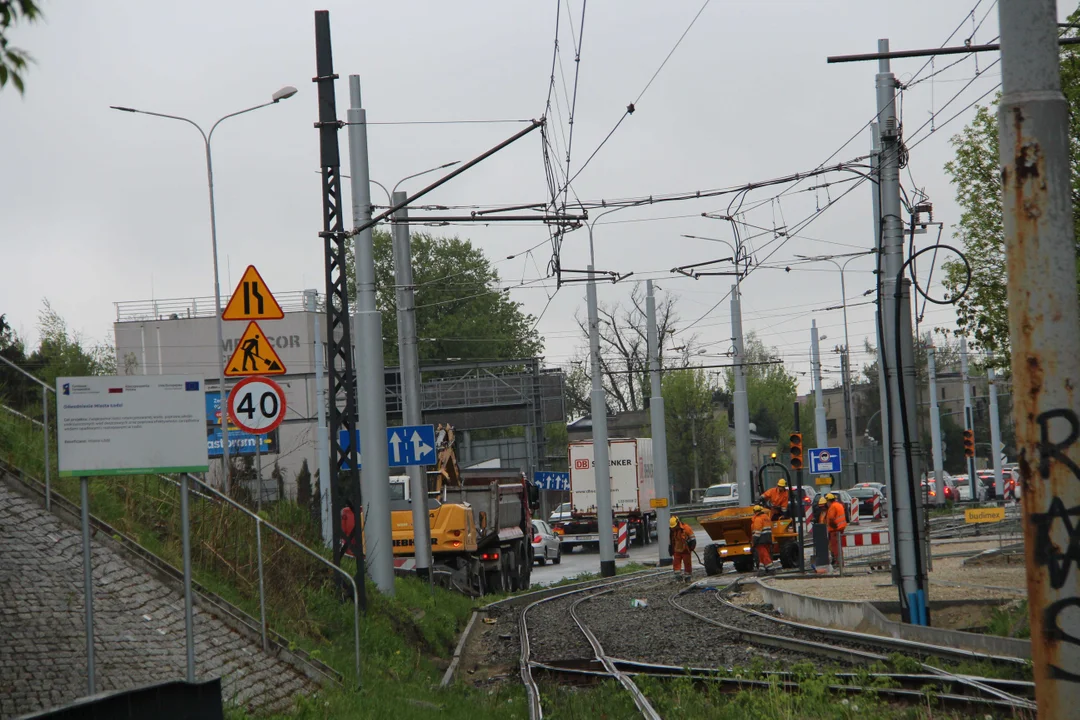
659,426
935,429
368,354
883,388
900,376
322,449
743,470
995,436
821,435
969,417
601,464
1044,329
409,362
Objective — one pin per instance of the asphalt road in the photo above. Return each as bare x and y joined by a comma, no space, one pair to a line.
584,560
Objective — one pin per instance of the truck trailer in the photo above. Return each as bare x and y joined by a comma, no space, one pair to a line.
632,490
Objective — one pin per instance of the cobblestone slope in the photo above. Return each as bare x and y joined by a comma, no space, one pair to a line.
139,625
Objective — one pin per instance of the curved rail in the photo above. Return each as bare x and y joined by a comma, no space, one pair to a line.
642,702
532,690
896,643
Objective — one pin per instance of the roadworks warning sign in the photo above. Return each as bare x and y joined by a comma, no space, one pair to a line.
254,355
984,515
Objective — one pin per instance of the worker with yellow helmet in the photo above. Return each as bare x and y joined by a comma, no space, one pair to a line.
778,498
761,536
682,543
836,521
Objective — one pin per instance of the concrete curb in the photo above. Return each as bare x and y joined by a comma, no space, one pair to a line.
863,616
448,676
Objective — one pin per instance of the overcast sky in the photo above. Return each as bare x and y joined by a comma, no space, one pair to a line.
98,206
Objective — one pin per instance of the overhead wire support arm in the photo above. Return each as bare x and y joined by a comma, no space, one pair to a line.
445,179
955,50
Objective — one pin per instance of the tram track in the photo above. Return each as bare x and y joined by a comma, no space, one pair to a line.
553,655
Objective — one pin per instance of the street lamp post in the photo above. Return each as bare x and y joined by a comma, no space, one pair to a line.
284,93
847,347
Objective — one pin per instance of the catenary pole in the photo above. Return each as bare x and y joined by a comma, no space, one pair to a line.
1044,331
601,464
935,427
322,437
900,376
820,428
995,435
883,388
368,351
659,427
740,402
409,362
969,419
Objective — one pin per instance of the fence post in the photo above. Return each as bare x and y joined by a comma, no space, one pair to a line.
88,583
45,412
262,591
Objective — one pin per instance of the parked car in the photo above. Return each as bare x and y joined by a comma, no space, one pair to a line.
546,544
988,490
880,487
871,502
963,488
560,514
947,487
722,494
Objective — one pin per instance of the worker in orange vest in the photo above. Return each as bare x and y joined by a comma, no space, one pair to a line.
761,536
836,521
778,498
682,544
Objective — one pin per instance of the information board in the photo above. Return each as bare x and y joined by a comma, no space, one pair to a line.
119,425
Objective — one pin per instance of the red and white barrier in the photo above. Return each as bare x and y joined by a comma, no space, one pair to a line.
866,538
624,540
405,564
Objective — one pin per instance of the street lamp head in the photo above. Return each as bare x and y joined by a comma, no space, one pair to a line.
284,93
449,164
123,109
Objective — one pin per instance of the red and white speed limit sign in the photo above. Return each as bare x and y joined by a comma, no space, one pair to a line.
257,405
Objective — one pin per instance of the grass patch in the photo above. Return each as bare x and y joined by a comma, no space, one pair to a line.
1012,620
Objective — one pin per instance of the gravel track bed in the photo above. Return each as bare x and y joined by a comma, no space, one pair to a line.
553,635
661,634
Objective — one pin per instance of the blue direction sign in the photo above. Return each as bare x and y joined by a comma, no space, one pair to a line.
551,480
408,445
824,461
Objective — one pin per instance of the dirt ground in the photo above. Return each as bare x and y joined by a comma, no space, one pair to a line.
949,580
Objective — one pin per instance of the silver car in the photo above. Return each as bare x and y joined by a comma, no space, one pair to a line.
560,513
546,544
722,494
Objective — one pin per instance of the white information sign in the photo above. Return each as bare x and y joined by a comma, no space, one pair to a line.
130,425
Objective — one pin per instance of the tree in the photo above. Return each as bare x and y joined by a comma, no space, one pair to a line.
975,173
13,60
461,312
696,435
770,392
624,359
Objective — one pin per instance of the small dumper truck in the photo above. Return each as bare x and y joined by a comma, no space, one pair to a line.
730,529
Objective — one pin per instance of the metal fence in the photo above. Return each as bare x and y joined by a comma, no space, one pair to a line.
271,573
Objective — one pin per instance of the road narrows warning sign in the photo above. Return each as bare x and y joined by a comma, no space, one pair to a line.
252,300
254,355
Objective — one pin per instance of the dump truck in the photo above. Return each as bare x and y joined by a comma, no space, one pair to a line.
479,522
632,490
730,529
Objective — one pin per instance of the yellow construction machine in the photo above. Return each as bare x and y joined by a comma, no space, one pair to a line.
730,528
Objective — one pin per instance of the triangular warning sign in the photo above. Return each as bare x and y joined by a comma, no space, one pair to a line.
252,300
254,355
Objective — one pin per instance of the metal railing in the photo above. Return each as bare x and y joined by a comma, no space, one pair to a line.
216,496
195,307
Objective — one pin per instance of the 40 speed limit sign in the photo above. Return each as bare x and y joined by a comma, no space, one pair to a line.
257,405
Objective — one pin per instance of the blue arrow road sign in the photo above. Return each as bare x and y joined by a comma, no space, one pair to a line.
407,445
824,461
551,480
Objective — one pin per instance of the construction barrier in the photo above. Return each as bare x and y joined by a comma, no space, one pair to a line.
866,538
624,541
865,547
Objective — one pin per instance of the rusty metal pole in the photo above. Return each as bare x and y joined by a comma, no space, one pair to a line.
1044,330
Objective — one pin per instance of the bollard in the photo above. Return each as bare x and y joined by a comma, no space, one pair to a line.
623,541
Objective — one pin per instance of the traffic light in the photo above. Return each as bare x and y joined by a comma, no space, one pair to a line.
969,444
796,451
